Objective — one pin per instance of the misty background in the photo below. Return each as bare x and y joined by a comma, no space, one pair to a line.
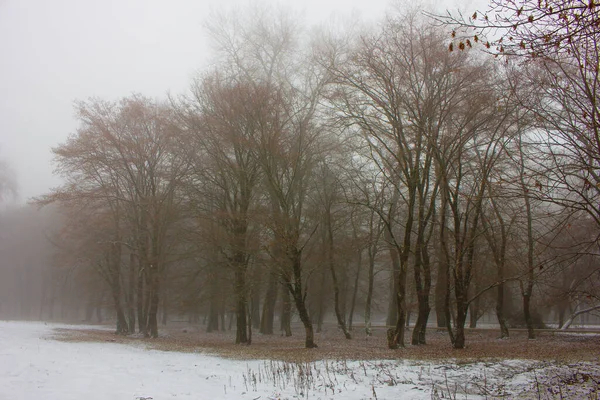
53,53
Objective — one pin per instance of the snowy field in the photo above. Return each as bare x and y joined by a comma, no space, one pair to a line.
34,366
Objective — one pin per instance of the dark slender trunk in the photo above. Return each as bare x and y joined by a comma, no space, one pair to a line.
336,287
232,315
286,313
393,302
146,311
116,295
309,342
369,299
473,313
561,314
268,311
141,301
121,321
401,307
440,294
336,304
461,319
423,288
320,299
530,249
154,300
355,290
214,306
474,307
241,335
527,314
420,329
254,311
500,311
131,292
250,325
165,309
222,316
298,294
114,263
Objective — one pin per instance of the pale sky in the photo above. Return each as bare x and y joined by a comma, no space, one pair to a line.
53,52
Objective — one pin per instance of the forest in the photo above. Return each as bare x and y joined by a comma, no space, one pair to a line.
420,172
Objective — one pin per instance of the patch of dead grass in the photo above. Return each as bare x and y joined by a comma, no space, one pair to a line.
481,345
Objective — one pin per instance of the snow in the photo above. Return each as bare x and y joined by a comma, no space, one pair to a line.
34,366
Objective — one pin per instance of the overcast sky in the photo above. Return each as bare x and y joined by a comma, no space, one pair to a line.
53,52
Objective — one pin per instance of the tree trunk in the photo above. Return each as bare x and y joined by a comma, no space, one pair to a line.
165,309
336,288
141,301
146,311
309,342
530,248
254,311
131,292
298,295
320,300
401,307
423,288
286,313
473,313
369,300
461,319
440,295
561,314
268,311
214,306
240,310
420,329
393,303
500,311
355,290
154,300
121,321
575,314
114,264
527,314
336,304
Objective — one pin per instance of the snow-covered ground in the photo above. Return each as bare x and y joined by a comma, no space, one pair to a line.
34,366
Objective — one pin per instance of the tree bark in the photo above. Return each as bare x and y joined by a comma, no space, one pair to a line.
154,300
296,290
286,313
241,335
423,286
131,292
336,288
440,294
369,299
268,311
355,289
504,334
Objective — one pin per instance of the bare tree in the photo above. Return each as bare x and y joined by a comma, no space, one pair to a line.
224,117
401,89
123,156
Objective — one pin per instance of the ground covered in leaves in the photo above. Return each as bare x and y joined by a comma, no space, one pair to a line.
482,344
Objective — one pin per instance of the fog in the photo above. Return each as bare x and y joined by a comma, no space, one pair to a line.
52,53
